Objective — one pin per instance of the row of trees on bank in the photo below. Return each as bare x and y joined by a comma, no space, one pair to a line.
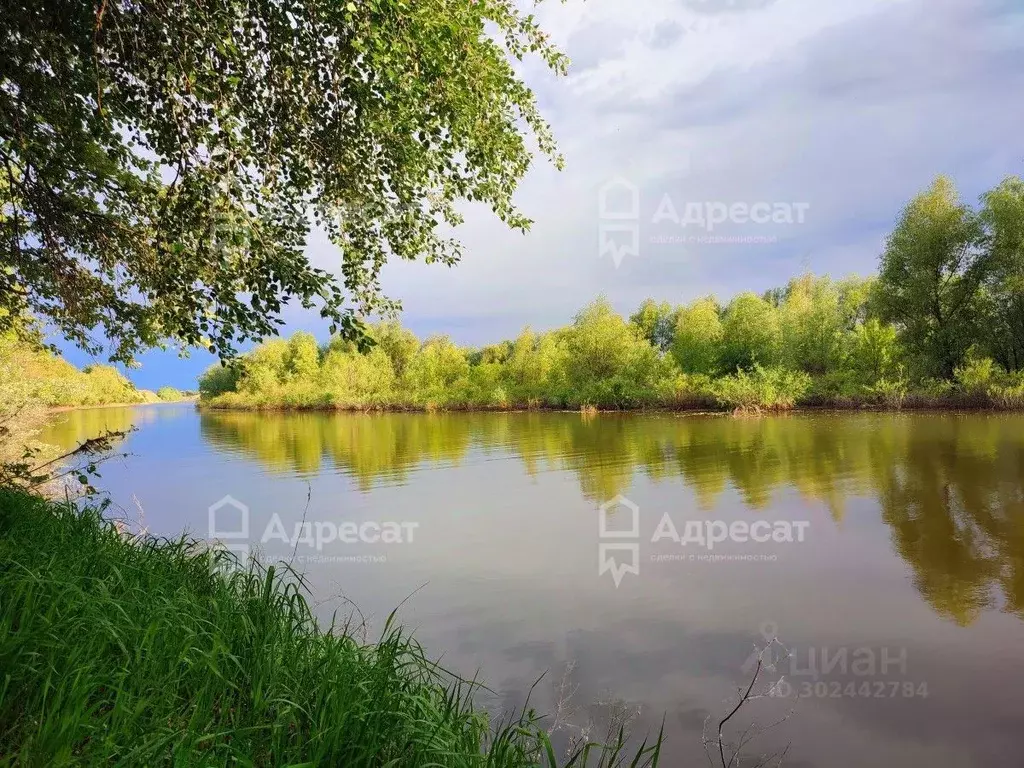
32,378
950,286
31,373
942,321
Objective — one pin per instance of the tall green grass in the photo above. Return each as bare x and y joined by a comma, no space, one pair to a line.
127,651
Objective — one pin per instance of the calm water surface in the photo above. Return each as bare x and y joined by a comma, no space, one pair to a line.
906,596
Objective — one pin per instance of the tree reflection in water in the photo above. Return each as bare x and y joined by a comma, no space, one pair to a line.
949,486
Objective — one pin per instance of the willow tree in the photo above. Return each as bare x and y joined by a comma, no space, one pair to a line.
657,322
750,333
697,344
1003,317
931,271
163,162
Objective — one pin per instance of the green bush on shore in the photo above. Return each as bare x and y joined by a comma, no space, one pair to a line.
120,650
170,394
762,388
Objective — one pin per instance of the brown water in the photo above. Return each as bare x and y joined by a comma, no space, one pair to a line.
899,597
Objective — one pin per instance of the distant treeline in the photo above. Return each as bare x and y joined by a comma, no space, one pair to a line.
33,374
941,324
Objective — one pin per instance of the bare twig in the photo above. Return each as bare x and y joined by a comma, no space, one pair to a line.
752,731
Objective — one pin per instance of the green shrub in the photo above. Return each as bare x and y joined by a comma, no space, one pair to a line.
218,379
685,391
841,386
976,374
935,389
169,394
149,396
762,389
889,392
1009,393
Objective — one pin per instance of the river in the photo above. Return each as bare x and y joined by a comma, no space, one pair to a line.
638,562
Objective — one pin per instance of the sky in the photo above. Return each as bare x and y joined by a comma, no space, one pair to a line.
829,114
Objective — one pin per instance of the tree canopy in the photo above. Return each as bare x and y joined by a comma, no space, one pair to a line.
163,162
952,278
930,273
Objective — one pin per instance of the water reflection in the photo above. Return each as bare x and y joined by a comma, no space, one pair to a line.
949,487
953,499
68,429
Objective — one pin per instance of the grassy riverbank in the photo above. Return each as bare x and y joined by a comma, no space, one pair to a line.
136,652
